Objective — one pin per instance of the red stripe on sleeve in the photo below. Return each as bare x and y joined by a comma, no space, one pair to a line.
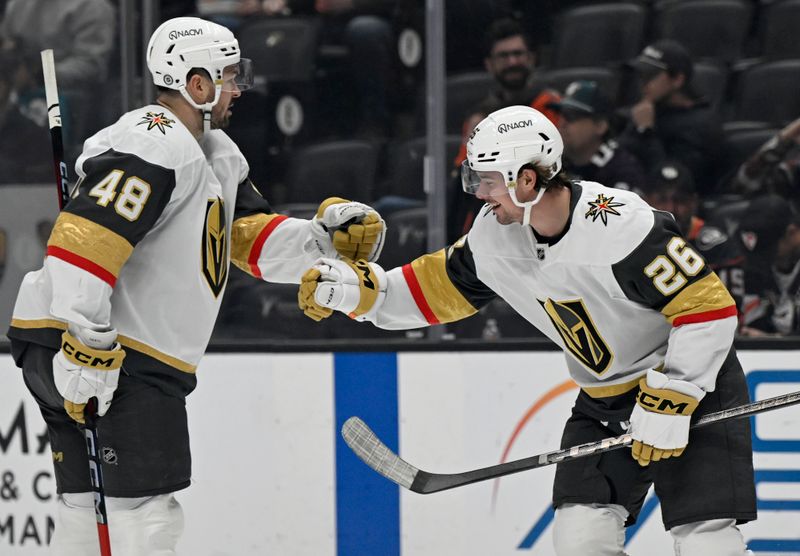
255,252
708,316
419,297
83,263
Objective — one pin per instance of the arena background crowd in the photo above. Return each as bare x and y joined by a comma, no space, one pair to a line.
691,103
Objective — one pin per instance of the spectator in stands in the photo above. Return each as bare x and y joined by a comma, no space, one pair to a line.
775,167
81,34
590,153
671,188
24,140
671,120
770,235
510,58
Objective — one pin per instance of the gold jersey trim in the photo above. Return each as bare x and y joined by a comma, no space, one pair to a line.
38,323
91,241
442,296
612,390
244,234
157,355
174,362
703,296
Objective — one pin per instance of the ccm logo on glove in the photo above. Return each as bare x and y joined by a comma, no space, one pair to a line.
363,266
668,402
92,358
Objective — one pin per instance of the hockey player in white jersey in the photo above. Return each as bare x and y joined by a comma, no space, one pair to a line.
136,267
646,326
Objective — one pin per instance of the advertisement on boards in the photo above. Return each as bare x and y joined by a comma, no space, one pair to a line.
271,474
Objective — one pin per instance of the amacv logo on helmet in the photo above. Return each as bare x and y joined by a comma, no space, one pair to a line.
502,128
179,34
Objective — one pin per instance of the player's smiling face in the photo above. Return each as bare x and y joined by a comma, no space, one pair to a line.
494,192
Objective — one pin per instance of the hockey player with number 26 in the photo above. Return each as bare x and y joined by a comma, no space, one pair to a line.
647,329
136,267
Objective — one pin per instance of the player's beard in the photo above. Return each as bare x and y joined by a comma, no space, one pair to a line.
514,77
223,120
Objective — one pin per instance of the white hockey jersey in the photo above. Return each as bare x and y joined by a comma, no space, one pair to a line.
145,243
620,291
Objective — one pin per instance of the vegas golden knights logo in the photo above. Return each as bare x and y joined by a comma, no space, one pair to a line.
579,333
215,246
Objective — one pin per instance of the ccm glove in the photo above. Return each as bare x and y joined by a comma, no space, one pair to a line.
87,366
661,417
356,289
346,229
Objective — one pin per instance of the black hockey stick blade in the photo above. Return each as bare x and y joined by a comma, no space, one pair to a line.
369,448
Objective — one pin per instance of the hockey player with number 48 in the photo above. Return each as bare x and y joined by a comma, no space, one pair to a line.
646,326
136,267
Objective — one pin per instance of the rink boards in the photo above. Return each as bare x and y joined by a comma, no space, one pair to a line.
272,476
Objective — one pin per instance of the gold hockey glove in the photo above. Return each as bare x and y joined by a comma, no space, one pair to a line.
347,229
82,371
661,417
356,289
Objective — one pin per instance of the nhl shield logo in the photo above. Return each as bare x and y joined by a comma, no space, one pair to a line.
109,456
580,335
215,246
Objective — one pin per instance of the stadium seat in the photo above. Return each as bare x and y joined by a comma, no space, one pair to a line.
740,140
778,27
405,165
768,92
406,237
333,169
280,111
714,29
282,49
597,35
464,92
558,79
711,80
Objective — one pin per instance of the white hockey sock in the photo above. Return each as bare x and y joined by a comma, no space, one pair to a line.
136,526
596,529
715,537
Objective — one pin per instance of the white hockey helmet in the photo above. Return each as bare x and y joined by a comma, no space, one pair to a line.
504,142
183,43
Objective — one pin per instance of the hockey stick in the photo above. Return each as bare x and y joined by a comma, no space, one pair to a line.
369,448
90,430
54,120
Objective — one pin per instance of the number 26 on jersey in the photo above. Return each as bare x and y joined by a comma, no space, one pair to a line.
669,272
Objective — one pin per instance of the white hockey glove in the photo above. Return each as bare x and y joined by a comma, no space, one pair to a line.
346,229
661,417
356,289
87,366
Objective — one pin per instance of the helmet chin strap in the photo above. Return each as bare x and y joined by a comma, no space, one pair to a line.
528,205
205,108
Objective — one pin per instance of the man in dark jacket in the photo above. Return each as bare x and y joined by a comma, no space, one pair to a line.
671,120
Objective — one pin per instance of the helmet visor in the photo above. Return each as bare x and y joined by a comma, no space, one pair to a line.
485,184
238,77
